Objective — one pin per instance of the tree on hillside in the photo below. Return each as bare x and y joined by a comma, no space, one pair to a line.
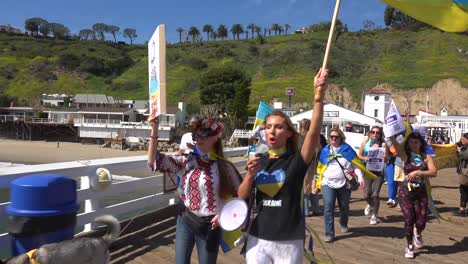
222,32
33,24
180,30
44,29
258,30
85,33
207,29
368,25
99,30
113,30
58,30
252,28
286,28
276,28
227,88
130,33
236,30
214,35
194,32
281,30
395,19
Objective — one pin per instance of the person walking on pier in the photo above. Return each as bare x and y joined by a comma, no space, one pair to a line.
277,232
311,193
206,181
373,186
412,192
337,159
462,170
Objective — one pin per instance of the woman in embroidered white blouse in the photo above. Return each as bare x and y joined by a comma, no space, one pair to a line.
205,180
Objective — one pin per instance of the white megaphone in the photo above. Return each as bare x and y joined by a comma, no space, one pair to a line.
233,214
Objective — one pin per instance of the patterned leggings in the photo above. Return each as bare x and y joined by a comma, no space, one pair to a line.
414,207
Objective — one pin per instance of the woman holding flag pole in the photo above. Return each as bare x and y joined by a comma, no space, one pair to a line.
278,231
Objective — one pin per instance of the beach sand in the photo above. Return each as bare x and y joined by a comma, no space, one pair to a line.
39,152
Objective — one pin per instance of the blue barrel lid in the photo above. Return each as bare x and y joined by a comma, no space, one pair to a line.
42,195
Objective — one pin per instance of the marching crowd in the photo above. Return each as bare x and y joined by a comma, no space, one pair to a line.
283,184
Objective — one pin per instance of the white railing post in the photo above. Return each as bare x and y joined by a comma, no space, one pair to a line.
90,205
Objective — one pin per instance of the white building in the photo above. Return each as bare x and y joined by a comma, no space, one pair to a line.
337,116
377,104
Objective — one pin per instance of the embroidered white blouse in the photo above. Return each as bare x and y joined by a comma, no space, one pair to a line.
197,180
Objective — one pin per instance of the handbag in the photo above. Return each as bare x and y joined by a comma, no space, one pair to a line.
201,226
351,178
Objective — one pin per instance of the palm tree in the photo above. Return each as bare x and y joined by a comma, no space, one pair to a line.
236,30
214,35
264,32
194,32
275,27
180,30
258,30
222,32
252,28
208,29
287,27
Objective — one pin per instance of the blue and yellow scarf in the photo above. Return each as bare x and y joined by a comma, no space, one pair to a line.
345,151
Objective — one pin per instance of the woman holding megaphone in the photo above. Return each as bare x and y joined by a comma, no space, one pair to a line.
277,232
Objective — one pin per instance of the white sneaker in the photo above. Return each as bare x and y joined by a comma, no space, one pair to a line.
374,220
368,210
391,203
409,253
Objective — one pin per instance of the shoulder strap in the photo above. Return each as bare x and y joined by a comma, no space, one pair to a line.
343,170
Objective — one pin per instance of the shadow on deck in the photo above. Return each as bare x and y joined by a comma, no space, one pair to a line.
150,239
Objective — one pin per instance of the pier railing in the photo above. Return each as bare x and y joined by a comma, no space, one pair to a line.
84,171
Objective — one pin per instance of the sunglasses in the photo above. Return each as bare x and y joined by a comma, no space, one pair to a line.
335,137
375,132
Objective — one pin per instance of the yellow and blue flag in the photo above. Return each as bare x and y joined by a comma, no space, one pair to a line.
447,15
345,151
262,112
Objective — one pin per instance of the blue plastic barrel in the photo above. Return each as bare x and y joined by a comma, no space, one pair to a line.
42,211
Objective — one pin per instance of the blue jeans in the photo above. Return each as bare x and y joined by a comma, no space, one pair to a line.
314,207
329,196
185,240
391,183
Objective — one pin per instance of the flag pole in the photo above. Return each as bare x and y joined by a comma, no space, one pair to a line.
319,95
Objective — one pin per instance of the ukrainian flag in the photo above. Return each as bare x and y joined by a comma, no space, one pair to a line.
262,112
345,151
447,15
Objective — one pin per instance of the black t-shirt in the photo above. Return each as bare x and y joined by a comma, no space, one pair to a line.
279,192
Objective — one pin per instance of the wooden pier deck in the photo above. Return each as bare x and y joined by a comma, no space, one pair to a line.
446,243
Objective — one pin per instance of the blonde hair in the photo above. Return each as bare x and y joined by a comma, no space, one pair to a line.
293,143
342,135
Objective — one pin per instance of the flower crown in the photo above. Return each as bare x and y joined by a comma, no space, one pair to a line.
211,123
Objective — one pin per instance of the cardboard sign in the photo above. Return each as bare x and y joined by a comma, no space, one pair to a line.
157,72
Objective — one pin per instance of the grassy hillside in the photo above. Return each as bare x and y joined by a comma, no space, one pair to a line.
359,60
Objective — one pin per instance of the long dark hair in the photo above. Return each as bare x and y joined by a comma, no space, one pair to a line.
226,187
294,141
381,137
422,149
